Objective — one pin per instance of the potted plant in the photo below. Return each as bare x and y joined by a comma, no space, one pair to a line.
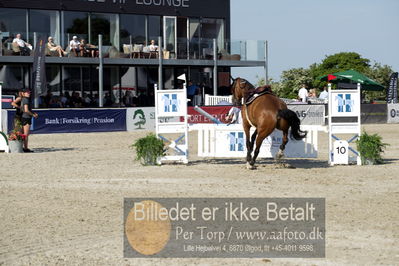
370,148
149,149
15,141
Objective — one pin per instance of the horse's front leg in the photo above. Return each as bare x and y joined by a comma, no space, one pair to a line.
249,145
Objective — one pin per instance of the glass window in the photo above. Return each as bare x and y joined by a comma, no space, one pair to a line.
12,77
45,23
170,34
154,28
211,29
132,29
194,38
76,86
128,86
75,23
12,21
112,92
107,25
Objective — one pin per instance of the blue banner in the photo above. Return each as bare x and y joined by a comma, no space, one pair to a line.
75,121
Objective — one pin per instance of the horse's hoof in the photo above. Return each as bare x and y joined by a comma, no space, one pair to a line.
279,155
250,167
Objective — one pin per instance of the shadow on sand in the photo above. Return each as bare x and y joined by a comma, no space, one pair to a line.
292,163
43,150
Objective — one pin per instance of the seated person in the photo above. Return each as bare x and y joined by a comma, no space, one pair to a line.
54,48
74,46
24,47
153,47
88,49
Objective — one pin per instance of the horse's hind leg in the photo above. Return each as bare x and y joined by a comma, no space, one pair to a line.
280,153
253,140
259,139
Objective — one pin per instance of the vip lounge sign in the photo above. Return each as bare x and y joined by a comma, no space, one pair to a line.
344,104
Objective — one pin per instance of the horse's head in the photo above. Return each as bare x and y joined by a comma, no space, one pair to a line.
239,89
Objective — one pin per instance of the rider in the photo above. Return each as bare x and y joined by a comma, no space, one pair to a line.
234,116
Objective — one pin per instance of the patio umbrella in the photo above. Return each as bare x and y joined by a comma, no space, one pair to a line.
352,76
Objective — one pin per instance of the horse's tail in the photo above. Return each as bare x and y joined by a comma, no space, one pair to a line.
294,123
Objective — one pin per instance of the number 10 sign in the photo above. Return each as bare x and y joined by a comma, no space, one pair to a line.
341,152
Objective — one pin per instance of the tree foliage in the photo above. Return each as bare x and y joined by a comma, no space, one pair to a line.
292,79
337,63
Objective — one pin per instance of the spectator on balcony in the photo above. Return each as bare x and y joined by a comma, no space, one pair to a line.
24,47
74,46
88,49
153,47
54,48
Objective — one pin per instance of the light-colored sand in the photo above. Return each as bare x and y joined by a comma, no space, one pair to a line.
63,204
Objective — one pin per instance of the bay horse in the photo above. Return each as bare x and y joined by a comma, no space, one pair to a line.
266,112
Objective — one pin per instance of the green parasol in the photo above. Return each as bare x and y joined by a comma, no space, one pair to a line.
352,76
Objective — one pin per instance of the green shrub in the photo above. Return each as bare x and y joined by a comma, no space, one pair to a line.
149,149
370,148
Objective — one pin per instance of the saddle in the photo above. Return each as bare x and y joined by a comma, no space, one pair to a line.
255,93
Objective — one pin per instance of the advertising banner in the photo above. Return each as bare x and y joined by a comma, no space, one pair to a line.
393,113
392,90
6,101
308,114
219,112
76,121
39,68
140,119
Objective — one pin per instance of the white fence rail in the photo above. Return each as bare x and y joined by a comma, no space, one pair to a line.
229,141
215,100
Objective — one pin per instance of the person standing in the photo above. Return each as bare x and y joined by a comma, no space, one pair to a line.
18,112
192,90
324,94
303,93
27,115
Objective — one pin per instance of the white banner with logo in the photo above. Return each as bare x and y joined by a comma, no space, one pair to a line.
393,113
345,104
141,118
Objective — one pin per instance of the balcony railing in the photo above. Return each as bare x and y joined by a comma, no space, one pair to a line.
180,48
